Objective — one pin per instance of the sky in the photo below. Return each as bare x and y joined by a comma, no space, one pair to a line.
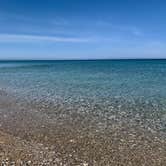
82,29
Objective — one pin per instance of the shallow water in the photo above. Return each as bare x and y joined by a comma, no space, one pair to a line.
93,79
99,87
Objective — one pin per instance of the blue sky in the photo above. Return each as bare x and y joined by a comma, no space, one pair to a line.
82,29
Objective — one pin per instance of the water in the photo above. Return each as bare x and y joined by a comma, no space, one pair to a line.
101,112
104,88
123,78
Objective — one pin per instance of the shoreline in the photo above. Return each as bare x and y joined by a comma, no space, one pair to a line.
33,136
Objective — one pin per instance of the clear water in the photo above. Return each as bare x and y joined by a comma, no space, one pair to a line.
137,86
96,79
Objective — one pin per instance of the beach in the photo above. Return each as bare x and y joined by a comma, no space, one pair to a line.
91,128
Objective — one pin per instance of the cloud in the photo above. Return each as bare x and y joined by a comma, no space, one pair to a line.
36,38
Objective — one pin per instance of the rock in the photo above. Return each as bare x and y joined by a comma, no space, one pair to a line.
112,117
29,162
85,164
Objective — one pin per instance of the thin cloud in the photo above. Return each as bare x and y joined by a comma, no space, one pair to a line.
37,38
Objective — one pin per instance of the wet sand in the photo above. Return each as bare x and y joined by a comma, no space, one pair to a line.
31,136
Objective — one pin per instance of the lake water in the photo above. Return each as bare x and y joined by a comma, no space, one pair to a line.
135,89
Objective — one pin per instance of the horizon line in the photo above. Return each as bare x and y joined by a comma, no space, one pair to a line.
86,59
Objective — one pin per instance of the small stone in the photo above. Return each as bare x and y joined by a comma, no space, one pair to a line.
85,164
5,116
113,117
72,141
29,162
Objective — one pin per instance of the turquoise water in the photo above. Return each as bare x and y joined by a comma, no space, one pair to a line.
96,79
136,87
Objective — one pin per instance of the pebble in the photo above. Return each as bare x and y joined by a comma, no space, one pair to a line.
29,162
85,164
112,117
